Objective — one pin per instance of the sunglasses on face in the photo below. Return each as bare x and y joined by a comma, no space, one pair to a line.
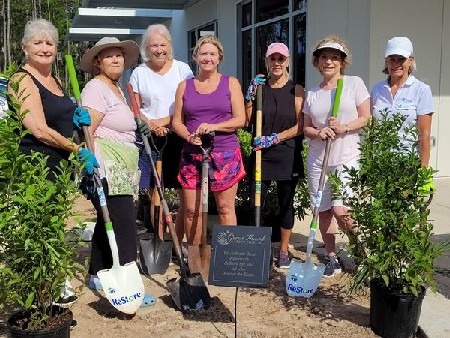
277,59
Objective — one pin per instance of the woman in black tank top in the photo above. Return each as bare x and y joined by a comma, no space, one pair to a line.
281,144
51,111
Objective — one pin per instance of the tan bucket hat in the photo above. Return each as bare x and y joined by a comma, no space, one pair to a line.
130,48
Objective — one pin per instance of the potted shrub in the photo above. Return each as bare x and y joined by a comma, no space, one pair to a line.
35,255
393,250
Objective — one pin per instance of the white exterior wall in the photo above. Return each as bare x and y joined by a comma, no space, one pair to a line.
224,12
179,35
349,19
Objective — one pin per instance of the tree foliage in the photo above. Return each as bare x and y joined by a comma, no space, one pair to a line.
59,12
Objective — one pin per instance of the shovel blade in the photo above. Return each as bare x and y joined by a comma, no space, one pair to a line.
199,258
155,256
303,278
123,287
189,294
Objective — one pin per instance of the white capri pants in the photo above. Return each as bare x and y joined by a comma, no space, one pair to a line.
314,169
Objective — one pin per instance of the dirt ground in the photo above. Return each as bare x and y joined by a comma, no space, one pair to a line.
330,312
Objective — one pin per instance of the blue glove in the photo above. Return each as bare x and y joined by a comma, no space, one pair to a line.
143,128
81,118
89,161
251,91
265,141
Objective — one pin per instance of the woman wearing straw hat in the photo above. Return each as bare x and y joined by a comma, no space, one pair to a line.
331,57
113,133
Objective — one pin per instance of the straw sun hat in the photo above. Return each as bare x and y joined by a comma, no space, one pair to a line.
131,52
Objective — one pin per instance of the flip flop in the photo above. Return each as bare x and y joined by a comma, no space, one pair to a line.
149,300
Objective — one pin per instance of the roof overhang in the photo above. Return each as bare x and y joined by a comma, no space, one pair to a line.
124,19
155,4
91,24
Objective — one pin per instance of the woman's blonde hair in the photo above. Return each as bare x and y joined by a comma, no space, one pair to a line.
208,39
155,29
346,56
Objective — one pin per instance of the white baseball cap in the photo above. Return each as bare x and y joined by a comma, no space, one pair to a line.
399,45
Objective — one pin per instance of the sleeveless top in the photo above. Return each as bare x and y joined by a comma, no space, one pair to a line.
58,111
283,161
214,107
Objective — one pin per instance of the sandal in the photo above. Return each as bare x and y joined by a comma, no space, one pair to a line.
149,300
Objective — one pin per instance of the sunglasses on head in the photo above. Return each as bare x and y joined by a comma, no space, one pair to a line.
279,59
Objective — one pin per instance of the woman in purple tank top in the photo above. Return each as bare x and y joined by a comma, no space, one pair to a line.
210,102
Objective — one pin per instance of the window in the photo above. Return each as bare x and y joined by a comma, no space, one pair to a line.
195,34
262,22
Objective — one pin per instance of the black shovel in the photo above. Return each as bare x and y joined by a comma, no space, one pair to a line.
189,292
155,253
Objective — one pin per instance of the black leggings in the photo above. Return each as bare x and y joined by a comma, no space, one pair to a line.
122,214
285,193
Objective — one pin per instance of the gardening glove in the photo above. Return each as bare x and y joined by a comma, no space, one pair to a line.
265,141
428,187
143,128
81,118
251,91
89,161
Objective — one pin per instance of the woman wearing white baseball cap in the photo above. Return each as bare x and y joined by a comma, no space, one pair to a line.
403,93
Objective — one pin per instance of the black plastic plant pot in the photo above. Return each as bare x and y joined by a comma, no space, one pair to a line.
60,327
394,314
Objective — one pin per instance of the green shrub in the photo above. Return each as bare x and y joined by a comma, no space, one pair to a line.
35,257
390,214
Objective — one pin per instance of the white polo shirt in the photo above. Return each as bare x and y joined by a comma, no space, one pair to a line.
412,99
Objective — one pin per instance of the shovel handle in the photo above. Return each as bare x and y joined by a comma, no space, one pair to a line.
258,157
168,217
98,182
314,222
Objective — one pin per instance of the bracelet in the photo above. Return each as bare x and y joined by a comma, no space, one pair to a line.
188,138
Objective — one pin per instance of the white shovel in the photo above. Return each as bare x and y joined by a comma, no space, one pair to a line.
303,279
122,284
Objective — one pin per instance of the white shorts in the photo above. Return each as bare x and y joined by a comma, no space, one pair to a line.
327,201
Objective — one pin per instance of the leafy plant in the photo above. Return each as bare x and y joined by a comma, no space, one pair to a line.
391,215
35,256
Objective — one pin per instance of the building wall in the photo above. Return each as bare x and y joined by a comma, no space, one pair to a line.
225,13
349,19
427,24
